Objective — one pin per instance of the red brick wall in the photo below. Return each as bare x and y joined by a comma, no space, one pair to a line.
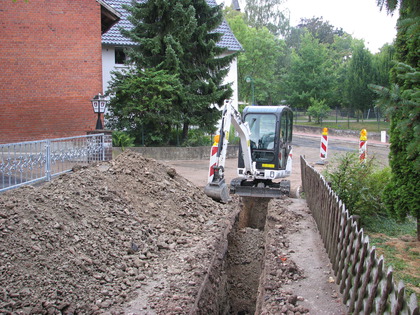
50,68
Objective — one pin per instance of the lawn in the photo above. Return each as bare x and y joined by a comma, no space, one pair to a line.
397,242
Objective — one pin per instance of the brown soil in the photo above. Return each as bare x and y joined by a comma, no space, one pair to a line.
93,240
134,236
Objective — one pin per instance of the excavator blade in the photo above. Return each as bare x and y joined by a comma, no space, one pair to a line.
245,188
219,191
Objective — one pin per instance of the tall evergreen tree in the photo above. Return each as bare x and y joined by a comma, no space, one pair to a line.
178,37
402,100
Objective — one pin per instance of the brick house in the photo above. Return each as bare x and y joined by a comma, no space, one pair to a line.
50,66
113,44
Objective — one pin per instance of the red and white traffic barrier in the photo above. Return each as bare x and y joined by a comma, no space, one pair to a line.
324,144
213,157
363,145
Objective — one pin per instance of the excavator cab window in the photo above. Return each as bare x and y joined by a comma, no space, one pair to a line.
286,128
271,136
263,127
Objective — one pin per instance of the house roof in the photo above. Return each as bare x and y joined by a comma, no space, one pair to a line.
114,37
109,16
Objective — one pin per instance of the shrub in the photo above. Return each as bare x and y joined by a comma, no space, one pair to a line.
371,199
196,138
318,109
122,139
359,185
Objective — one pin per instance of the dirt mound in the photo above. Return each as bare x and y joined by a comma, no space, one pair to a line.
92,240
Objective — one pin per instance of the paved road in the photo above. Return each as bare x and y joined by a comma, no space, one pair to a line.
338,146
303,144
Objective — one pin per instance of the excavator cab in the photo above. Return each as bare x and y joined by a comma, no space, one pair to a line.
271,135
270,144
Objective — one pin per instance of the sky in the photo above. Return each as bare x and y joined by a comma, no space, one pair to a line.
360,18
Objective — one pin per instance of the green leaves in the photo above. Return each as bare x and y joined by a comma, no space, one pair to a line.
178,38
359,185
142,104
318,109
310,74
261,60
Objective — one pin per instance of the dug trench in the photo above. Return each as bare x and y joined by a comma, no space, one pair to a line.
252,270
132,236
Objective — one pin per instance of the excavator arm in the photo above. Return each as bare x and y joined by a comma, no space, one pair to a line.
216,187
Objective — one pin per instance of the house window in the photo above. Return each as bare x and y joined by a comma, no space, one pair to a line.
120,57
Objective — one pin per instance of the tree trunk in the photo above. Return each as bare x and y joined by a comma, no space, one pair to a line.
418,227
185,128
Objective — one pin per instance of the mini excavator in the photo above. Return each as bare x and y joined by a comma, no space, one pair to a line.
265,152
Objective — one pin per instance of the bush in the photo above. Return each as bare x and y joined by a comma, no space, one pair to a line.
196,138
318,109
372,198
122,139
359,185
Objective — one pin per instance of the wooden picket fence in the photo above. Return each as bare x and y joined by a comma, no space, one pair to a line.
366,287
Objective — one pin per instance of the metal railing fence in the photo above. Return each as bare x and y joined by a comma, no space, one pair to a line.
32,161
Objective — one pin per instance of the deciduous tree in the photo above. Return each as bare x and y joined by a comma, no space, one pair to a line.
267,13
310,74
261,60
359,75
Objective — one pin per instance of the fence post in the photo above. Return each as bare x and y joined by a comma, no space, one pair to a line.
48,160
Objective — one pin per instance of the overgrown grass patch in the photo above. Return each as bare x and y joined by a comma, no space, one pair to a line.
397,242
389,226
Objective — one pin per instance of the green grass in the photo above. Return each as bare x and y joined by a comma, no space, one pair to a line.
369,125
395,241
389,226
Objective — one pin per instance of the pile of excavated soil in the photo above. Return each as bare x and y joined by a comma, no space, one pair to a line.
91,241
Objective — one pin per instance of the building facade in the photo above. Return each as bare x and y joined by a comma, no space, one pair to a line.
113,44
50,66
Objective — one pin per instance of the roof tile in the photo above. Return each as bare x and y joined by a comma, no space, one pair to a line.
114,37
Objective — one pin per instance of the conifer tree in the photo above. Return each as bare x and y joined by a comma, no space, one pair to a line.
179,37
402,101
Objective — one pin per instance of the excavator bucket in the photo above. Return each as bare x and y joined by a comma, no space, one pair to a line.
219,191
